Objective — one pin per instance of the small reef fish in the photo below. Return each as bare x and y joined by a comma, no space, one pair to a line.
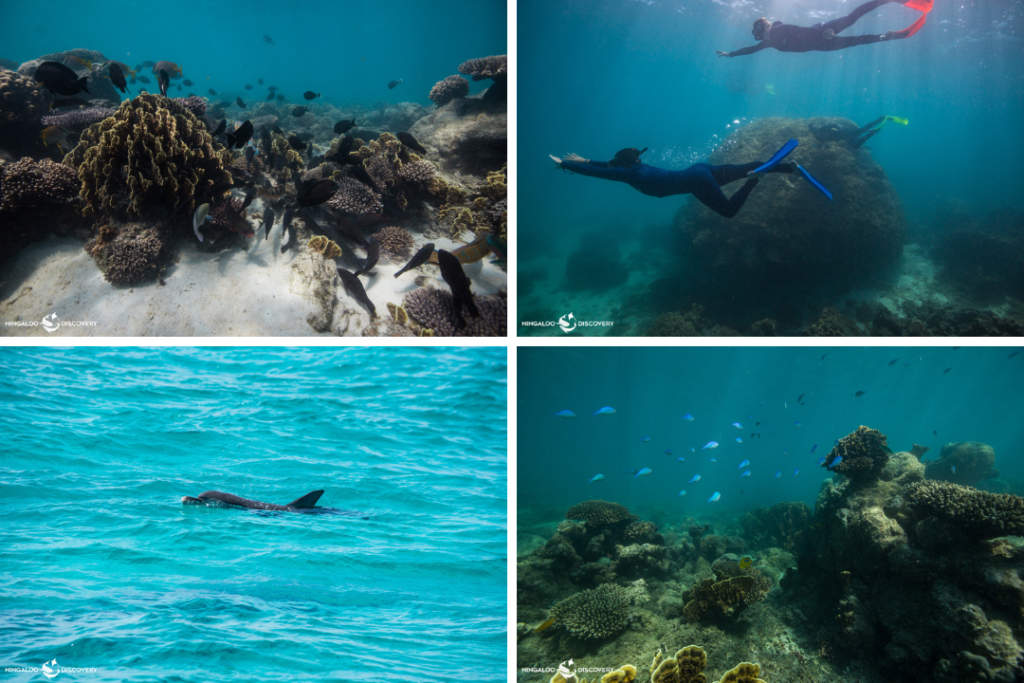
143,79
757,424
860,393
270,96
240,103
737,425
298,111
796,471
743,464
272,193
240,136
188,83
785,452
710,444
696,477
645,439
268,221
952,468
547,622
746,562
200,217
680,459
712,460
893,361
355,288
117,76
373,254
60,80
418,259
267,39
605,411
248,87
814,448
170,67
163,80
72,60
667,451
53,134
714,497
565,413
681,493
344,126
318,194
260,81
821,460
907,363
639,473
739,440
410,142
835,463
596,477
799,398
946,370
692,449
393,84
797,424
778,473
310,95
745,474
688,417
212,91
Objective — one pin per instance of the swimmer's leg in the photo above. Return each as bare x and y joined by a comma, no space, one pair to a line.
843,23
708,192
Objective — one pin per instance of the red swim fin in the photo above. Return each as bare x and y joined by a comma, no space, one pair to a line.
919,5
913,28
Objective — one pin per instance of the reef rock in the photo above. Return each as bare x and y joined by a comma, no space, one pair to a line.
964,463
788,235
466,137
984,257
23,102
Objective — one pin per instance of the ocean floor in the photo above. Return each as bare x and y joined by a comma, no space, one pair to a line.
255,292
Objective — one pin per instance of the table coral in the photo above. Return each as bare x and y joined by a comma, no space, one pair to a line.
598,613
600,513
449,89
976,514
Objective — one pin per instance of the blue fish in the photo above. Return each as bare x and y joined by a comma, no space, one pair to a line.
778,474
745,474
743,464
692,449
798,424
565,413
750,417
688,417
715,496
711,444
645,439
821,460
796,471
682,493
835,463
785,452
739,440
596,477
667,451
907,363
696,477
814,448
605,411
952,468
836,443
640,473
680,459
712,460
737,425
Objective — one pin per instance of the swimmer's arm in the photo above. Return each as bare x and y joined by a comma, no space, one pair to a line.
744,50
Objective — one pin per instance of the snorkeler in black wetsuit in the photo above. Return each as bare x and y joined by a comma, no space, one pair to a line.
854,137
824,37
703,181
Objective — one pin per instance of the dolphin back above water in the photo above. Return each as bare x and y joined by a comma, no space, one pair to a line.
306,503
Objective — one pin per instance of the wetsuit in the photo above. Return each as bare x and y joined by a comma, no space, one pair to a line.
703,181
789,38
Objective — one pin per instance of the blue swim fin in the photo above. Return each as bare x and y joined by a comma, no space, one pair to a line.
774,161
814,182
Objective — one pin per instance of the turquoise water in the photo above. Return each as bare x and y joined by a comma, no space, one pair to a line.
102,567
911,401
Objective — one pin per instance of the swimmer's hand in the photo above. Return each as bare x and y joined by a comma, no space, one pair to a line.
723,54
558,162
576,158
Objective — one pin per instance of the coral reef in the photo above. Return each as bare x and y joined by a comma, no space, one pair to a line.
324,246
863,452
353,196
599,613
785,525
23,102
495,68
594,266
134,256
642,532
35,196
196,105
449,89
395,243
78,120
151,156
600,513
715,600
465,146
685,666
100,87
744,672
434,309
965,463
678,325
984,258
974,514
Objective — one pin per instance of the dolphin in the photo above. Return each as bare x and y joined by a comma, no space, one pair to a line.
306,503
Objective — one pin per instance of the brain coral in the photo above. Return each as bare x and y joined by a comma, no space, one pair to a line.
600,513
864,454
449,89
977,514
150,156
598,613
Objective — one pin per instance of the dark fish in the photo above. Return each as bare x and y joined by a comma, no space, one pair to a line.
757,424
267,39
307,215
179,87
823,356
261,81
144,79
59,79
272,88
305,137
393,84
188,83
270,96
803,404
344,126
372,255
451,271
148,63
418,259
265,136
318,194
268,221
295,142
248,87
298,111
69,102
410,142
117,77
249,196
860,393
310,95
240,103
163,79
350,229
238,138
341,154
286,227
280,98
946,370
316,161
250,152
1013,354
894,361
191,94
360,174
355,288
220,128
799,398
751,435
277,129
935,432
212,91
279,163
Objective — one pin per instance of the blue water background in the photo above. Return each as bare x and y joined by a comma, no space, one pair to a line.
348,51
600,76
103,567
979,399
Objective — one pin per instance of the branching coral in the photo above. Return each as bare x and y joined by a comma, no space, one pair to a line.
23,102
134,257
864,454
383,160
977,514
78,119
153,154
434,309
449,89
488,211
353,196
713,600
395,243
485,67
641,532
599,513
599,613
421,171
35,196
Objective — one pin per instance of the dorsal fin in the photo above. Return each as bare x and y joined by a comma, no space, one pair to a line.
307,501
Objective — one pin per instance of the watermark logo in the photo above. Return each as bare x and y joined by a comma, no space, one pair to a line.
50,669
567,670
51,324
564,323
567,323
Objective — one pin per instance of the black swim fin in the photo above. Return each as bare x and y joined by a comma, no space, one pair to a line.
307,501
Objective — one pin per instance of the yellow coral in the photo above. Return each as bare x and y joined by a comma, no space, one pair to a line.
624,674
745,672
328,248
686,666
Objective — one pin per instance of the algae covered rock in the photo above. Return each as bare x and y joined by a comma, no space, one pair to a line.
965,463
784,525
